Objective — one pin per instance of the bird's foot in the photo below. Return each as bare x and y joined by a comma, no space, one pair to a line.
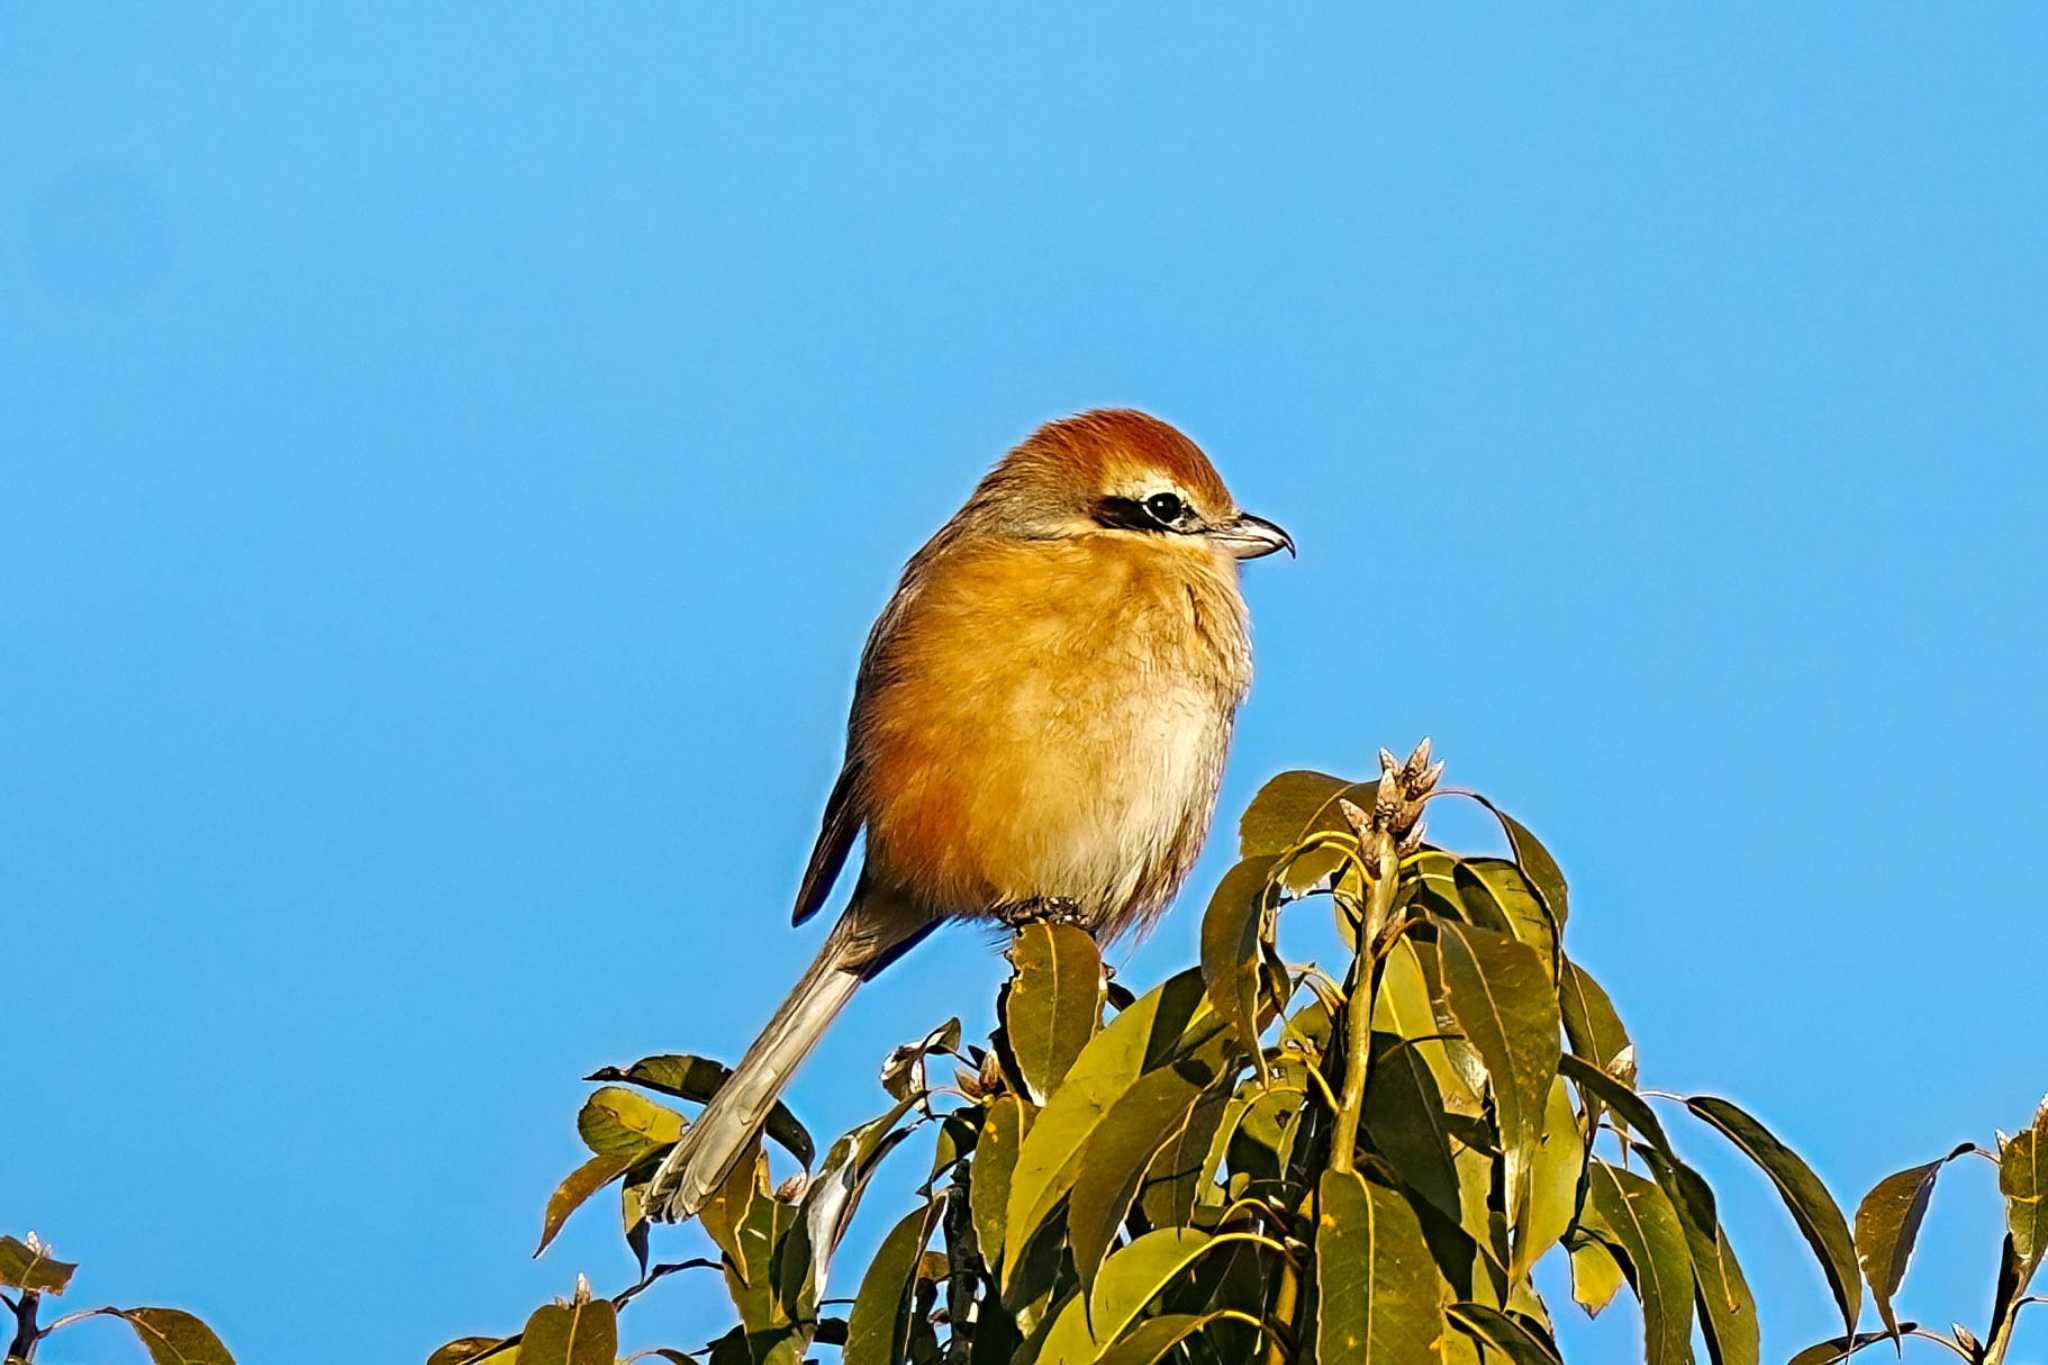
1044,910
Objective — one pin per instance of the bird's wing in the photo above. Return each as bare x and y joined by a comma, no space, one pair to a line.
828,855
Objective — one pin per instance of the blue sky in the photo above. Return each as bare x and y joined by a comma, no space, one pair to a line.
453,453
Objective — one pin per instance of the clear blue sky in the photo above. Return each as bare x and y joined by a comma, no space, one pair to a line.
452,455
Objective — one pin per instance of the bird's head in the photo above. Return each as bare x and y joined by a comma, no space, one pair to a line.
1122,473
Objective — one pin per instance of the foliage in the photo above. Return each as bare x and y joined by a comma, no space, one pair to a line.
1257,1160
169,1335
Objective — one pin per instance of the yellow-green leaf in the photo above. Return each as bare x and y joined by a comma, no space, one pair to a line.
585,1332
1378,1294
1403,1007
1517,1340
1286,808
1727,1309
1553,1182
995,1157
1596,1275
1535,860
878,1326
1053,1004
2023,1180
1406,1124
1634,1215
1812,1207
174,1337
31,1267
472,1350
1499,992
1130,1280
1232,932
1497,890
1116,1157
615,1121
1841,1348
697,1079
1174,1181
1151,1340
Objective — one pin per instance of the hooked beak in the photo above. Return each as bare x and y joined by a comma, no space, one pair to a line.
1250,537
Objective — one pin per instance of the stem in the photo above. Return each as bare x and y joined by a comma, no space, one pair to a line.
2001,1332
1358,1009
26,1334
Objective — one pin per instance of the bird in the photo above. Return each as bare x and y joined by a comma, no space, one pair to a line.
1038,730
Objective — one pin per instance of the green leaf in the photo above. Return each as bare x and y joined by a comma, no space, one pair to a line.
1516,1340
1598,1086
1286,808
585,1332
1404,1121
1887,1225
1117,1155
1727,1309
1130,1279
726,1212
1403,1007
1500,897
1596,1275
828,1204
586,1180
2023,1180
1841,1348
1634,1215
1232,932
1053,1004
1499,992
174,1337
1590,1022
31,1267
616,1121
1151,1340
697,1079
903,1070
1378,1293
879,1324
1167,1022
1174,1181
1536,861
1813,1208
469,1350
995,1157
1553,1181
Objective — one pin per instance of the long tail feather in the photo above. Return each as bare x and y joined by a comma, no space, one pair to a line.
699,1163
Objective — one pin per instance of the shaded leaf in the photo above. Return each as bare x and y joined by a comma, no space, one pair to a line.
1403,1007
1721,1293
1174,1181
174,1337
903,1070
1166,1021
697,1078
1595,1030
2023,1180
586,1180
1286,808
1130,1280
1152,1338
1499,992
1114,1161
878,1326
1841,1348
995,1157
584,1332
1596,1275
1405,1122
725,1212
1535,860
1553,1182
828,1204
1819,1218
1232,932
1500,897
1515,1339
1598,1086
28,1266
467,1350
1378,1294
1887,1225
1635,1216
1053,1003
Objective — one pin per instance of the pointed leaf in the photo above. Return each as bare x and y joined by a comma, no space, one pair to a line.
1151,1340
698,1078
828,1204
1116,1157
1499,992
577,1333
1232,932
1405,1122
1379,1297
903,1070
1053,1004
1500,897
995,1157
586,1180
1174,1181
31,1267
1514,1339
1403,1008
470,1350
1636,1217
1813,1208
2023,1180
1286,808
1721,1293
1841,1348
1887,1225
1596,1275
878,1326
1553,1183
1130,1280
173,1337
1535,860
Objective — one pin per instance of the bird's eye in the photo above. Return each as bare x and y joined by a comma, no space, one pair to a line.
1165,508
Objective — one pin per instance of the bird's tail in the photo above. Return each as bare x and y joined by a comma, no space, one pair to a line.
699,1163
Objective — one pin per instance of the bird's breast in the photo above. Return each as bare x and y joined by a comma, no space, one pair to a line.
1050,720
